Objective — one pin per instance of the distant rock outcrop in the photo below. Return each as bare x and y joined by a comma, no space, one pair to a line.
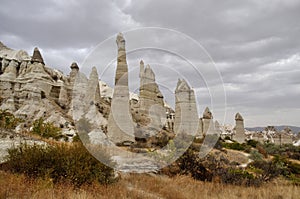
207,122
239,128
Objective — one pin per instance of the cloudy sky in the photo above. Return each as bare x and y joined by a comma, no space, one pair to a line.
254,44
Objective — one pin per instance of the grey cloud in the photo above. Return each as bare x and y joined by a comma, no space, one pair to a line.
255,45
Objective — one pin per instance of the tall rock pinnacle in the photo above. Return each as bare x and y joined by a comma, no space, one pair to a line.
186,115
120,124
122,68
37,57
239,128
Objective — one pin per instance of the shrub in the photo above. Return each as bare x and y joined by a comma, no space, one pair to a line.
61,163
252,143
255,155
8,120
234,146
47,130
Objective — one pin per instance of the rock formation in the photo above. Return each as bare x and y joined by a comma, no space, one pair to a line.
37,57
120,126
93,88
74,71
186,115
31,90
152,110
207,122
239,128
149,92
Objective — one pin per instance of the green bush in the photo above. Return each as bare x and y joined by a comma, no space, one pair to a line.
8,120
252,143
255,155
60,162
47,130
234,146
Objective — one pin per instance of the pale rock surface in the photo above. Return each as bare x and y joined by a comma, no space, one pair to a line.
207,122
120,123
151,104
239,128
186,115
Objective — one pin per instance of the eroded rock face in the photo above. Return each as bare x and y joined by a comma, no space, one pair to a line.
93,88
74,71
207,122
37,57
186,115
239,128
10,72
207,114
31,90
120,124
121,78
152,110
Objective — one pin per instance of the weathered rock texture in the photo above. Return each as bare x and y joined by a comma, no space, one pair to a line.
186,115
152,110
150,94
31,90
239,128
120,124
207,122
37,57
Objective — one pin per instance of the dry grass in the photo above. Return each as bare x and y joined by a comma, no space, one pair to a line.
141,186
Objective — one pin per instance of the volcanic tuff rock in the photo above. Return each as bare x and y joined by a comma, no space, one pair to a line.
31,90
207,122
239,129
120,123
186,115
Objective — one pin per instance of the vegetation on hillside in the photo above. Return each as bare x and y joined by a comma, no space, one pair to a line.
7,120
141,186
47,130
70,163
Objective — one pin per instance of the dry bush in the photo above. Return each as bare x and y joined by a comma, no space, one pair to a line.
59,162
143,187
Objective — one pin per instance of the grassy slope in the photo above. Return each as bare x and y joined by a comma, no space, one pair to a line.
141,186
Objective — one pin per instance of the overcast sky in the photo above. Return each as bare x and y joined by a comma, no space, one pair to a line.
255,45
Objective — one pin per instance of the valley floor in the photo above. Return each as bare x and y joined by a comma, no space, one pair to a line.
141,186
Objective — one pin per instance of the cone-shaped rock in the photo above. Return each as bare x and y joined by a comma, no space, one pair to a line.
121,77
186,115
37,57
207,121
149,91
239,117
239,128
93,90
74,71
120,126
207,114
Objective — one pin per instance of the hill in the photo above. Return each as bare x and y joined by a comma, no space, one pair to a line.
295,129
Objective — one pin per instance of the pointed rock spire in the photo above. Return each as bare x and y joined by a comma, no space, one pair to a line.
238,117
186,115
239,128
142,69
207,114
37,57
93,90
182,86
122,68
120,125
74,71
74,66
